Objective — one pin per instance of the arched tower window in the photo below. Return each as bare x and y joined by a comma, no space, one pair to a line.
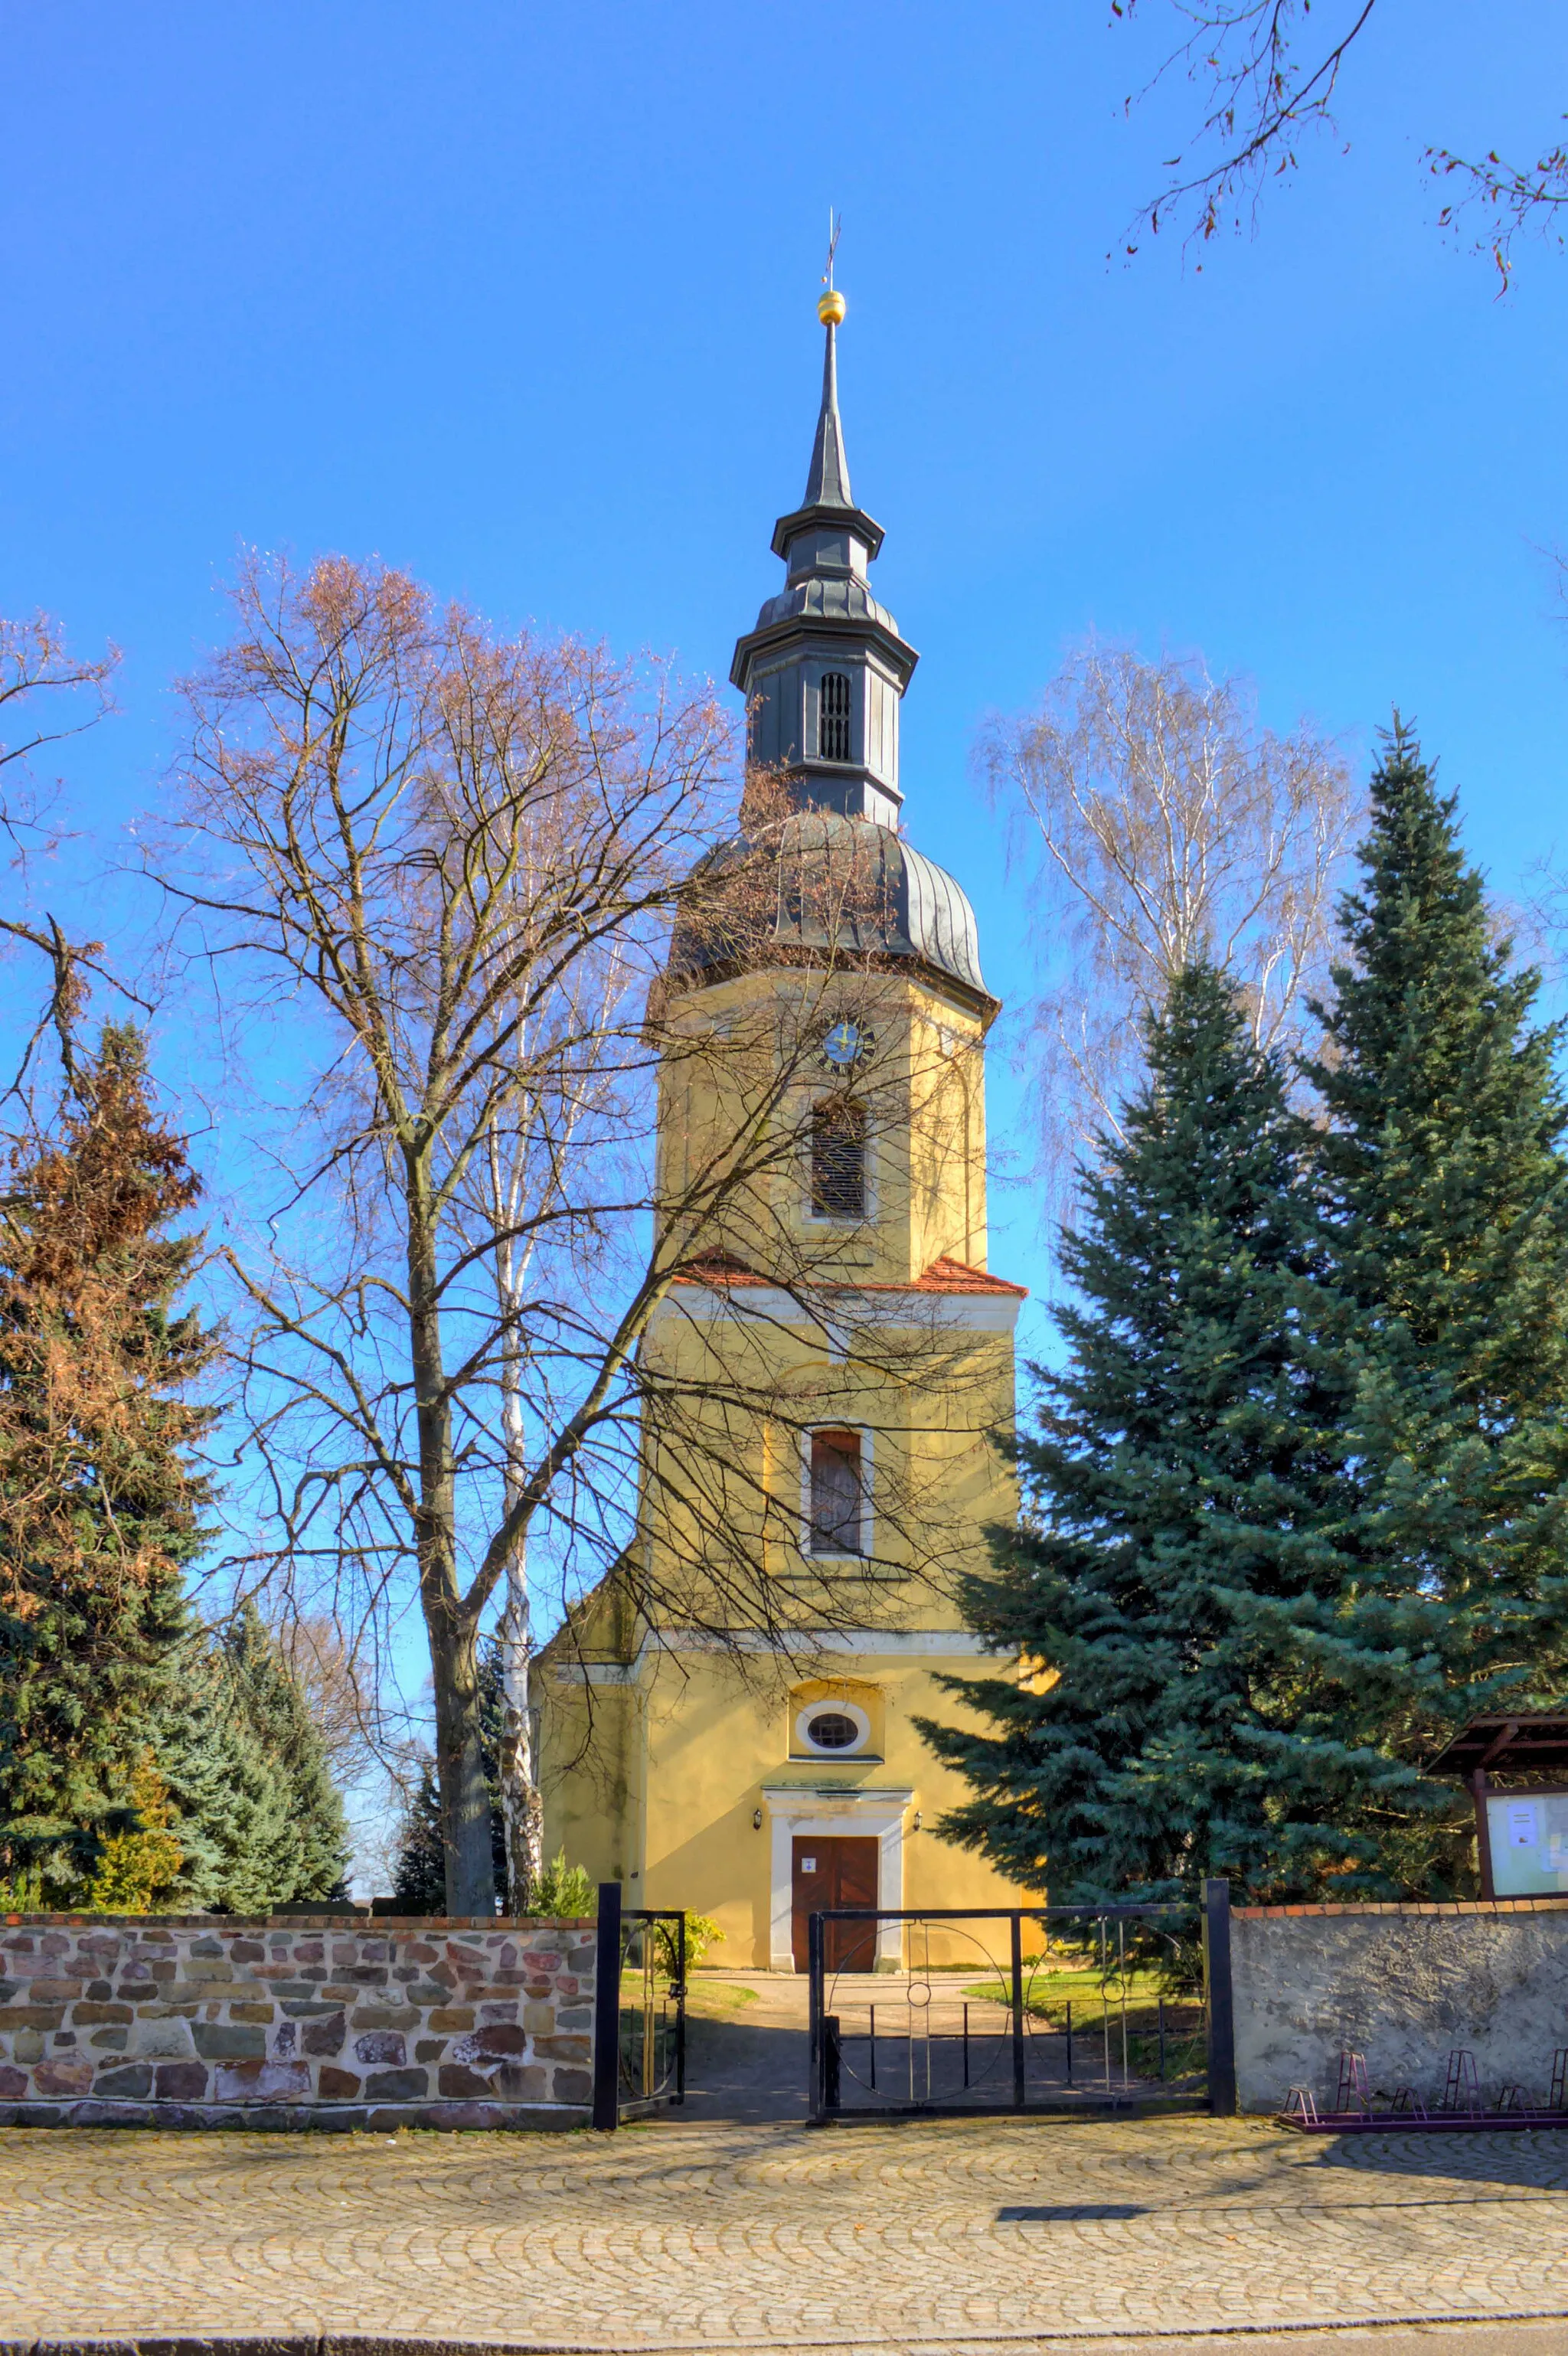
837,1493
838,1159
833,727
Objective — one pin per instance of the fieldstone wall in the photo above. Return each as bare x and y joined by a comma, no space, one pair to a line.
205,2020
1403,1985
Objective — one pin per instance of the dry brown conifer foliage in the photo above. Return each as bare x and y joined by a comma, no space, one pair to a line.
96,1419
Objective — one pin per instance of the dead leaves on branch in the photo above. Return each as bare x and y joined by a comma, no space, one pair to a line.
46,695
1269,72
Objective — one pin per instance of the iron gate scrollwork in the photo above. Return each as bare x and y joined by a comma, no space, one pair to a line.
639,2022
1056,2008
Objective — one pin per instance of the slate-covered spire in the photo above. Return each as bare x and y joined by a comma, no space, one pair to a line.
827,485
812,538
825,668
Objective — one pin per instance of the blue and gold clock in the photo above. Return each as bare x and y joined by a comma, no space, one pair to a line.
845,1045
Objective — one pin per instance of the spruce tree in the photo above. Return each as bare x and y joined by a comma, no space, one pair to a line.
419,1870
1446,1236
1184,1493
260,1821
142,1761
100,1504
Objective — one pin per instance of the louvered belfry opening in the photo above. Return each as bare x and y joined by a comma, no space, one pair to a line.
833,728
836,1493
838,1159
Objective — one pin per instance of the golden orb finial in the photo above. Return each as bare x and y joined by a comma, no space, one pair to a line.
831,308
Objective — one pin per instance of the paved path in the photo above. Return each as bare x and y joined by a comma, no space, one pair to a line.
747,2047
962,2235
747,2043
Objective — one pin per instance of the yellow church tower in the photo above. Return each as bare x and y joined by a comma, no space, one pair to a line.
761,1768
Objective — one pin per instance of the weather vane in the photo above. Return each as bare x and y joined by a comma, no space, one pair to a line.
830,306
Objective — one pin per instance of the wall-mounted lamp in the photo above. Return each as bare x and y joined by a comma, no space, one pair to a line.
756,1820
915,1825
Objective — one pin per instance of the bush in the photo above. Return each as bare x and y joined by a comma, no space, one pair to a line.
701,1932
564,1890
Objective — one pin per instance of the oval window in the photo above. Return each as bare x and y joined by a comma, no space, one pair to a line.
831,1730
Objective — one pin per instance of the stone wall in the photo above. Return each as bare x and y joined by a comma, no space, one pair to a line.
205,2020
1403,1985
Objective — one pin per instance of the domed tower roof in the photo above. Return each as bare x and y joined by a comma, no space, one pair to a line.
819,883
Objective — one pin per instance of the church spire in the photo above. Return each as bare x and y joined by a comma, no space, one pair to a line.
811,539
825,669
827,485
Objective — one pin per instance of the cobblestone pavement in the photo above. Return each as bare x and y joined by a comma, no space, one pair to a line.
962,2234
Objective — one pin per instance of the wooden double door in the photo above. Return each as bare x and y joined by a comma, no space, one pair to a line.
837,1871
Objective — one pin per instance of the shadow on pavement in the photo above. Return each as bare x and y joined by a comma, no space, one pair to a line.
746,2070
1469,2154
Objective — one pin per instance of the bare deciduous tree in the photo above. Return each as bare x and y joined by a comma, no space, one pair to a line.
48,694
451,865
1270,71
336,1688
1162,823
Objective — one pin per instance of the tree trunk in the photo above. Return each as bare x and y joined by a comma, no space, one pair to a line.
522,1804
460,1766
454,1649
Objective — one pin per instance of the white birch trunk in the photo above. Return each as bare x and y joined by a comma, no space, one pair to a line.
522,1807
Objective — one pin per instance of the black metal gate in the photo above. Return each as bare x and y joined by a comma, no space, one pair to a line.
639,2016
1058,2009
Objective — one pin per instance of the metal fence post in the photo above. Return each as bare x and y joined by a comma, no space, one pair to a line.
1017,2013
607,2009
679,2096
1222,2006
817,2063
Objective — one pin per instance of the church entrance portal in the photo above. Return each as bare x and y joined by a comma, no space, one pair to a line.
834,1871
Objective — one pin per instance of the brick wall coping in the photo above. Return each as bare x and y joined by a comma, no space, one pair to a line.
1413,1906
371,1924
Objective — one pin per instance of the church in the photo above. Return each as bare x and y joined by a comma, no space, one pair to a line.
758,1780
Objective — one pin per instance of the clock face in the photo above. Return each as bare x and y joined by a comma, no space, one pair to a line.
845,1045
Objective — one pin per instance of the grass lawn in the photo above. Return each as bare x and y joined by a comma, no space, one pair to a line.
705,1999
716,1999
1046,1999
1048,1992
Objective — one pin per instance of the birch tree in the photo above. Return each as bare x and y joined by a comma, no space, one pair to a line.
1160,826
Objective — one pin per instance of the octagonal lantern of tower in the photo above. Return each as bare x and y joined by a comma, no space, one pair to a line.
825,669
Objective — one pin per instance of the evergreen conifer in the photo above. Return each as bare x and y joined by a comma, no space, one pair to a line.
100,1502
1183,1495
142,1762
1446,1240
258,1816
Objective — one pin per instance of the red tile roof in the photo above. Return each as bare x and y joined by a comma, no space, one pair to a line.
944,1275
947,1275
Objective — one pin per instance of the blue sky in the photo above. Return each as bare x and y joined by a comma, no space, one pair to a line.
522,298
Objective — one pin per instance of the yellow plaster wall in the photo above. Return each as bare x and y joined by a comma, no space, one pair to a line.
590,1771
922,1089
716,1739
666,1797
